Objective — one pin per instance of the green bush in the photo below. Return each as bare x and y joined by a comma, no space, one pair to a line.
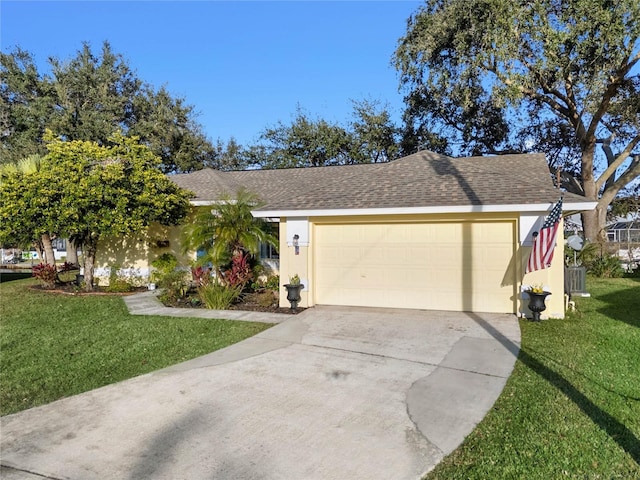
605,266
174,283
164,265
174,286
273,282
119,285
217,296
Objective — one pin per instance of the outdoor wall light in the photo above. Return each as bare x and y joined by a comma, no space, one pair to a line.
296,244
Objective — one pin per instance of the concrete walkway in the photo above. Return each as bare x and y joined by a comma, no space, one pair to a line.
147,303
331,393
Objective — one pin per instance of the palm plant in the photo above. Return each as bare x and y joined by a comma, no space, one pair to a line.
228,229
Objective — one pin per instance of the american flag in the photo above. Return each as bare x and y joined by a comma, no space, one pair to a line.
545,242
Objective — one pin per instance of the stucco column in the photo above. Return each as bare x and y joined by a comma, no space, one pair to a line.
552,278
294,260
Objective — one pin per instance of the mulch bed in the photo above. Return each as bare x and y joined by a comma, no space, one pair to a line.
248,302
70,288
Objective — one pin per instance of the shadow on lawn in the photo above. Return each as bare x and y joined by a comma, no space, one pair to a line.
623,305
624,437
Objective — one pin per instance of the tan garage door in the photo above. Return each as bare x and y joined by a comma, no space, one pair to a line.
461,266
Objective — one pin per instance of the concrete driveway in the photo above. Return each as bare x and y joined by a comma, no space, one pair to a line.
331,393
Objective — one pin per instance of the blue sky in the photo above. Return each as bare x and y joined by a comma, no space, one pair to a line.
243,65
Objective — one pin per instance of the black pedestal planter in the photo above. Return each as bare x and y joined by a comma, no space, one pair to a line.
293,293
536,304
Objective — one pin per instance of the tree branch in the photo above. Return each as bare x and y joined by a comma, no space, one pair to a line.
632,172
555,105
619,160
610,92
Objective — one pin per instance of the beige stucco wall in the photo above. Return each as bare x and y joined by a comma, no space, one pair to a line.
133,255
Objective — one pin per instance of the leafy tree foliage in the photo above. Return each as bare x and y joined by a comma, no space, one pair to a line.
24,211
305,143
232,156
87,191
89,97
308,142
94,95
168,126
557,76
27,102
375,135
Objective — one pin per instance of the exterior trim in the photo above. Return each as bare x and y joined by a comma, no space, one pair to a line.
539,207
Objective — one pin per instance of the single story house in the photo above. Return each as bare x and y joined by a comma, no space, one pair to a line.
426,231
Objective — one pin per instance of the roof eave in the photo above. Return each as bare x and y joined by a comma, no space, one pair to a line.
349,212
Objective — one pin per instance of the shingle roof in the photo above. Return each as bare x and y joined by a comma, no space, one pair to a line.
424,179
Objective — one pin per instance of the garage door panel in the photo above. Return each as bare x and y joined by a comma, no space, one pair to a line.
442,266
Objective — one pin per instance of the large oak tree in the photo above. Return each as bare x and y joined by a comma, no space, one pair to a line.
558,76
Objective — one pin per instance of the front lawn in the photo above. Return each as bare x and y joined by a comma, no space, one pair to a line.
54,345
571,408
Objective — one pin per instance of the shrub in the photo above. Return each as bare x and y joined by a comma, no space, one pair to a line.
606,266
217,296
165,264
273,282
46,274
201,276
240,272
172,281
118,283
67,267
266,299
174,286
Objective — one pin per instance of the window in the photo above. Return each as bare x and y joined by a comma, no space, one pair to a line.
267,251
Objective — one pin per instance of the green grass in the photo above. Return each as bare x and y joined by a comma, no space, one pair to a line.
53,345
571,408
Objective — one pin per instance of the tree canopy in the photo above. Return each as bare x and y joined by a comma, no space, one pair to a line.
560,77
87,191
370,137
89,97
24,212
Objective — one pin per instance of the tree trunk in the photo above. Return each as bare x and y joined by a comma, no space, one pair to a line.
49,256
90,248
591,226
72,252
37,244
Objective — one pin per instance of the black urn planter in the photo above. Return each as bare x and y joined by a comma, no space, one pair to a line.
536,304
293,293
